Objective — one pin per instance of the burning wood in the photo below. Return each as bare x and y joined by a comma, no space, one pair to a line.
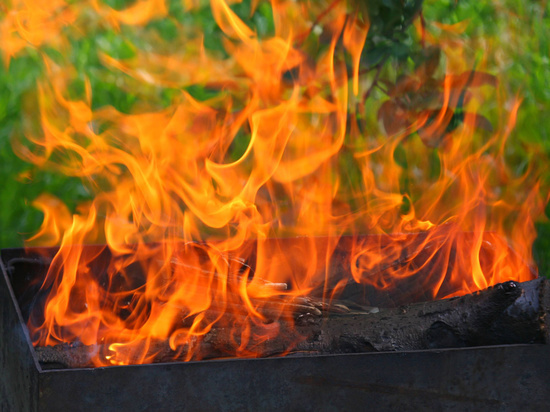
271,319
507,313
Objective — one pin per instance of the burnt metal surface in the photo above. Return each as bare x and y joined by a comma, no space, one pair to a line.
508,378
18,368
498,378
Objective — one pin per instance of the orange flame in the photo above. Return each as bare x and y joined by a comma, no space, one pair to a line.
209,209
34,23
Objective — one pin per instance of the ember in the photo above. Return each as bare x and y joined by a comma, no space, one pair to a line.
284,194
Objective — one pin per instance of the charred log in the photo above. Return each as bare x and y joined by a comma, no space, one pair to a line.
508,313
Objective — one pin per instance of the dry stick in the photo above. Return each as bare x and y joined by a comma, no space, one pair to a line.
273,307
507,313
199,273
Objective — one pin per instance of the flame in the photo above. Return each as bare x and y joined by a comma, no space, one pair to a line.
34,23
210,208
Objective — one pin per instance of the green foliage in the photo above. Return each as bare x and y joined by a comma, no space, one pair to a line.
521,30
541,248
15,216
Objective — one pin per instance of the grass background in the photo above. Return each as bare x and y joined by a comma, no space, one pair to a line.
520,31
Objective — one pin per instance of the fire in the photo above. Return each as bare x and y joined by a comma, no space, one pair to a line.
288,181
